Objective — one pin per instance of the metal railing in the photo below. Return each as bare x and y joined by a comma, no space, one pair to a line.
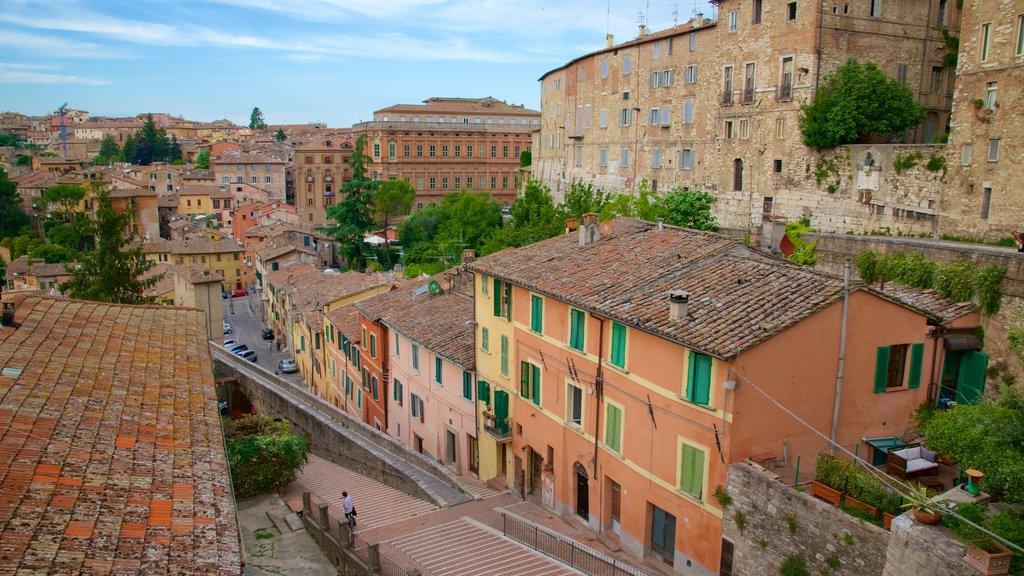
565,550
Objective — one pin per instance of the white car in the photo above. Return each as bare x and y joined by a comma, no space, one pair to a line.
287,366
227,327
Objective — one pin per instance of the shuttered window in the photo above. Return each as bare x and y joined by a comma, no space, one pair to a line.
529,382
618,351
891,370
501,411
613,428
691,471
916,359
398,394
373,346
437,369
502,299
536,314
415,357
698,378
577,329
504,355
467,385
483,391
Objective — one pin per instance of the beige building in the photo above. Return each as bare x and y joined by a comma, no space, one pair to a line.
199,287
715,104
259,169
321,169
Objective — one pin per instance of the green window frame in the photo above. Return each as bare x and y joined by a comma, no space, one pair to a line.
467,385
483,391
415,356
373,387
504,355
613,428
438,364
359,398
483,285
302,342
536,314
485,339
577,329
398,348
617,354
529,381
698,378
502,299
890,365
373,345
397,393
691,471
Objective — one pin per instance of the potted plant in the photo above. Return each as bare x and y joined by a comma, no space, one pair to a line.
925,510
989,556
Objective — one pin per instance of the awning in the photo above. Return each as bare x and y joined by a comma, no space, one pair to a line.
961,342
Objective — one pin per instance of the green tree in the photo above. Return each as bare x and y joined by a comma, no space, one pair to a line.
534,218
393,198
68,197
112,271
263,454
24,160
856,100
203,159
689,209
352,215
582,198
128,150
20,245
9,140
109,150
52,253
12,215
280,135
472,218
173,150
256,121
416,233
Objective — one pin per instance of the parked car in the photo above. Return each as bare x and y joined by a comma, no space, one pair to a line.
238,348
287,366
268,334
227,327
240,292
229,343
249,355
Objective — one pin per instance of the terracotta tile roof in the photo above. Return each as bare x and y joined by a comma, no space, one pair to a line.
486,105
198,190
927,301
192,246
165,280
441,323
271,252
110,443
346,319
738,297
132,192
197,273
26,266
197,174
311,289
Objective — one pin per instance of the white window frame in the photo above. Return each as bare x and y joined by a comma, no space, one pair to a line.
965,154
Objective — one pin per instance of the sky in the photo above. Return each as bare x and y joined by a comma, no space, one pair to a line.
299,61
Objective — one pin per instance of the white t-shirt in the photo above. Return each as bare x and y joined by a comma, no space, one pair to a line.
347,504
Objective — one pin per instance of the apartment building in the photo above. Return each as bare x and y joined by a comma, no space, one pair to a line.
449,144
622,368
715,104
321,169
223,255
345,390
985,143
259,169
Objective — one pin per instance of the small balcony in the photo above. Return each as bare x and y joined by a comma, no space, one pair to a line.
498,428
727,97
748,95
785,92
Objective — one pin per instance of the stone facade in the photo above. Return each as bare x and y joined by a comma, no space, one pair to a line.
987,139
321,169
716,104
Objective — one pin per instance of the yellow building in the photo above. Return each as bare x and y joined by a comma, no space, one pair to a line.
220,255
196,199
494,365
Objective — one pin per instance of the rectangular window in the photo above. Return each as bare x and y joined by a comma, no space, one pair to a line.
654,117
901,73
577,329
405,150
698,378
624,158
749,75
791,11
688,112
613,428
416,404
993,150
376,150
777,166
965,155
891,366
397,394
536,314
692,41
625,117
757,12
602,157
744,128
727,130
986,33
494,151
419,151
690,74
502,299
727,85
876,8
415,357
603,118
691,471
986,202
373,345
604,69
626,64
438,364
780,128
656,158
391,149
467,385
936,80
991,91
686,158
529,381
504,355
483,391
734,18
617,354
485,339
574,399
1019,43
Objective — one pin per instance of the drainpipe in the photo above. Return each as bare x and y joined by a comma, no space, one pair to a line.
842,359
599,393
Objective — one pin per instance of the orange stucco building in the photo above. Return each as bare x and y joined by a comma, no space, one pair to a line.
622,368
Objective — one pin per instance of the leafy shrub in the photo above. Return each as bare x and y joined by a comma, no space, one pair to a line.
262,454
841,475
795,565
869,265
956,280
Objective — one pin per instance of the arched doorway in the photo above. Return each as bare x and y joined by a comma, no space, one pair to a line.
737,174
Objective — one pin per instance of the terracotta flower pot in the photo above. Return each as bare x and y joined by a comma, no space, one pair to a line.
989,556
926,517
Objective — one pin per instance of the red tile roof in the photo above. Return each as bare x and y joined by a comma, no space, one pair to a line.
111,448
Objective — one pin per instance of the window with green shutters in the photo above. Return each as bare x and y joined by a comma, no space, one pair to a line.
617,354
536,314
529,381
397,389
373,345
577,329
437,369
415,357
891,370
467,385
485,339
504,355
691,471
483,284
613,428
483,391
501,411
502,299
398,348
698,378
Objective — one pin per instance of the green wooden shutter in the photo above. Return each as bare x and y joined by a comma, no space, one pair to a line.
467,385
536,384
881,368
702,380
497,297
916,358
501,410
691,371
508,301
483,391
971,381
576,329
691,473
613,428
504,355
536,313
437,369
618,352
524,379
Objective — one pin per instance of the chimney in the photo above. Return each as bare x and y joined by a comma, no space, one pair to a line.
468,255
8,314
700,19
643,31
571,224
589,232
679,304
609,40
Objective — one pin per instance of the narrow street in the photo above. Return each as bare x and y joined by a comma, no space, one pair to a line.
247,322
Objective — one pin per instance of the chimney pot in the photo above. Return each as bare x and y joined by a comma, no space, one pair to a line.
468,255
589,231
609,40
679,304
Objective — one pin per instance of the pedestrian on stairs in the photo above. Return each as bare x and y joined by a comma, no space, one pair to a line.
350,509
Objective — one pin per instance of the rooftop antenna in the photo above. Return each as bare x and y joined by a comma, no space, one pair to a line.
675,14
608,19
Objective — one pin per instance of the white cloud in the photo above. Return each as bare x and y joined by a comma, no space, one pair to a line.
54,46
30,74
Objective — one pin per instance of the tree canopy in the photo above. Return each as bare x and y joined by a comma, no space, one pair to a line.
393,198
109,151
150,144
856,100
112,271
203,159
12,216
263,454
280,136
352,214
256,121
67,196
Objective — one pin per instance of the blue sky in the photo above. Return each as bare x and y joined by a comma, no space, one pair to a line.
333,61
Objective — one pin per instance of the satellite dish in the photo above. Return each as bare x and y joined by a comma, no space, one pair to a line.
434,287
